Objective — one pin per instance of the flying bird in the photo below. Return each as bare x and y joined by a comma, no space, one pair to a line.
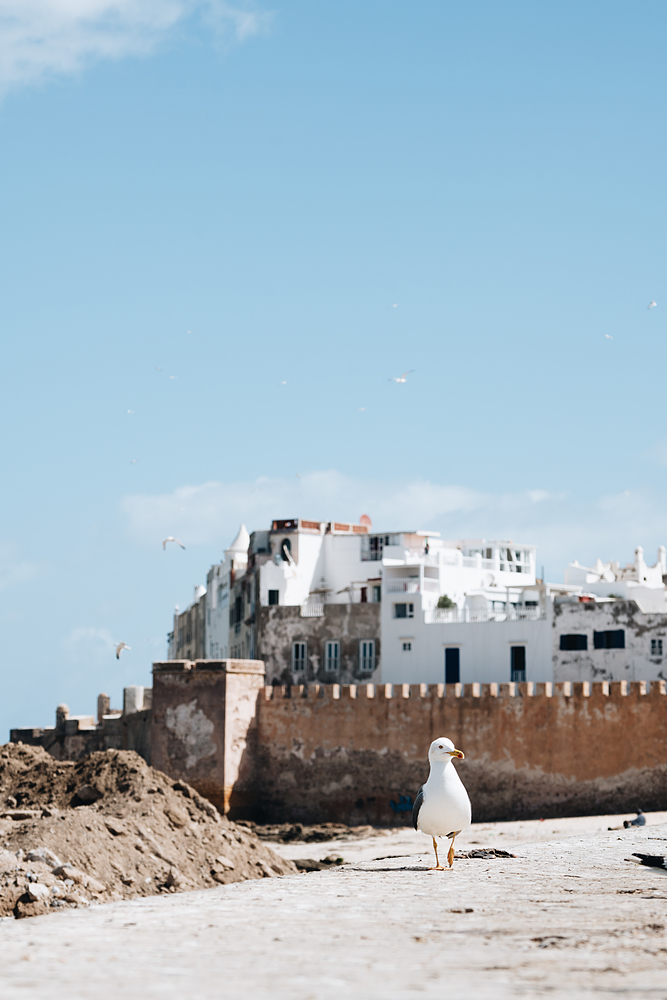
394,306
652,304
133,462
171,539
283,383
129,411
120,647
442,807
362,409
157,369
173,376
401,378
608,336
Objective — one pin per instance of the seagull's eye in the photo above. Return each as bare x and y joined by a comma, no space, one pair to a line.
440,746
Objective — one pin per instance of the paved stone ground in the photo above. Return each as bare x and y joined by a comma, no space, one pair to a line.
568,918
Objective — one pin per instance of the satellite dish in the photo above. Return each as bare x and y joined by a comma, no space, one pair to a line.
365,519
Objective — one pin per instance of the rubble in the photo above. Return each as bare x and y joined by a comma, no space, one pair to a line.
110,827
286,833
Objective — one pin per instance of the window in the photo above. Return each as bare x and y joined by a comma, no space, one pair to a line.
372,546
518,663
407,646
364,595
332,657
656,647
612,639
571,642
404,611
367,655
274,597
223,595
377,593
298,657
534,604
286,549
452,666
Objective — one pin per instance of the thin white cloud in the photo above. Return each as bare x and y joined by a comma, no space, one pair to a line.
14,569
562,527
45,38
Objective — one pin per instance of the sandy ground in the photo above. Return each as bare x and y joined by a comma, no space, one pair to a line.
405,840
565,918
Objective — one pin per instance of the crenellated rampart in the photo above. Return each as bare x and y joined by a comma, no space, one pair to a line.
357,753
532,750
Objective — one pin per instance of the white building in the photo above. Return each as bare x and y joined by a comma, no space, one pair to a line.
634,582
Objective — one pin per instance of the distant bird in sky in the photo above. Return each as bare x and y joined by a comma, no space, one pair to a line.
608,336
298,475
652,304
171,539
120,647
157,369
133,462
401,378
394,306
129,411
362,409
173,376
283,383
188,331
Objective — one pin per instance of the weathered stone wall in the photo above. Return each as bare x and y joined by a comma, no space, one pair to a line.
279,626
204,725
358,754
70,741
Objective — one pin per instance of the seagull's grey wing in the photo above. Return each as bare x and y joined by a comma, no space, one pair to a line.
416,807
652,860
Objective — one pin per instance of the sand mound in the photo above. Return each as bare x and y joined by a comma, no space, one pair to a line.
111,827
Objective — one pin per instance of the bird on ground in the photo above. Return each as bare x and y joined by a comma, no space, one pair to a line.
120,647
442,807
652,860
401,378
608,336
639,820
171,539
652,304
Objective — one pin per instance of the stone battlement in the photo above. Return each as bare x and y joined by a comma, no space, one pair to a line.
567,689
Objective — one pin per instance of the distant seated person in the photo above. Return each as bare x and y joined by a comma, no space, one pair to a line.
639,820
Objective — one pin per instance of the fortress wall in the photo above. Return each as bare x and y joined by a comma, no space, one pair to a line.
358,753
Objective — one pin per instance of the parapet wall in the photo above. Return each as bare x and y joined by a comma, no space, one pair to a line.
358,753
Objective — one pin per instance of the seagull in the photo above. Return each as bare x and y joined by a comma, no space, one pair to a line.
608,336
402,378
639,820
283,383
652,304
120,647
129,411
171,539
362,409
173,376
157,369
394,306
133,462
442,807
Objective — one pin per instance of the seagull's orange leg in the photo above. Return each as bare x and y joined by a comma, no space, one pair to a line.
450,853
438,866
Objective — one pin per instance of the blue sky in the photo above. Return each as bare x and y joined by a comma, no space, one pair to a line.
203,201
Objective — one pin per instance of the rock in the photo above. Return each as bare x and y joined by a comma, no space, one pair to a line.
69,871
174,878
73,897
36,892
95,886
115,826
11,802
27,907
179,817
85,795
19,814
225,862
45,855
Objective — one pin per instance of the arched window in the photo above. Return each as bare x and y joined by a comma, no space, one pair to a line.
285,548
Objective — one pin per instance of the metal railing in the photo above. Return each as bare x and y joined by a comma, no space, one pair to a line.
312,610
446,616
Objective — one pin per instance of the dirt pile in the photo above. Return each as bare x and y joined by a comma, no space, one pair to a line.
110,827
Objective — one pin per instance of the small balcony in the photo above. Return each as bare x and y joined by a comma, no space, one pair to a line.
451,616
410,585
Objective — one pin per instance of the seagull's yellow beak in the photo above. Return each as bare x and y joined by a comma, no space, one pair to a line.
457,753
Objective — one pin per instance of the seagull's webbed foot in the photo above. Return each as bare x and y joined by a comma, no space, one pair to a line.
450,852
438,866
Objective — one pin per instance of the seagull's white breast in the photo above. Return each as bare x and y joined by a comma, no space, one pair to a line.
446,806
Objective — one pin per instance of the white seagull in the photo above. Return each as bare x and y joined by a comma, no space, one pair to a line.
401,378
608,336
442,807
652,304
120,647
171,539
